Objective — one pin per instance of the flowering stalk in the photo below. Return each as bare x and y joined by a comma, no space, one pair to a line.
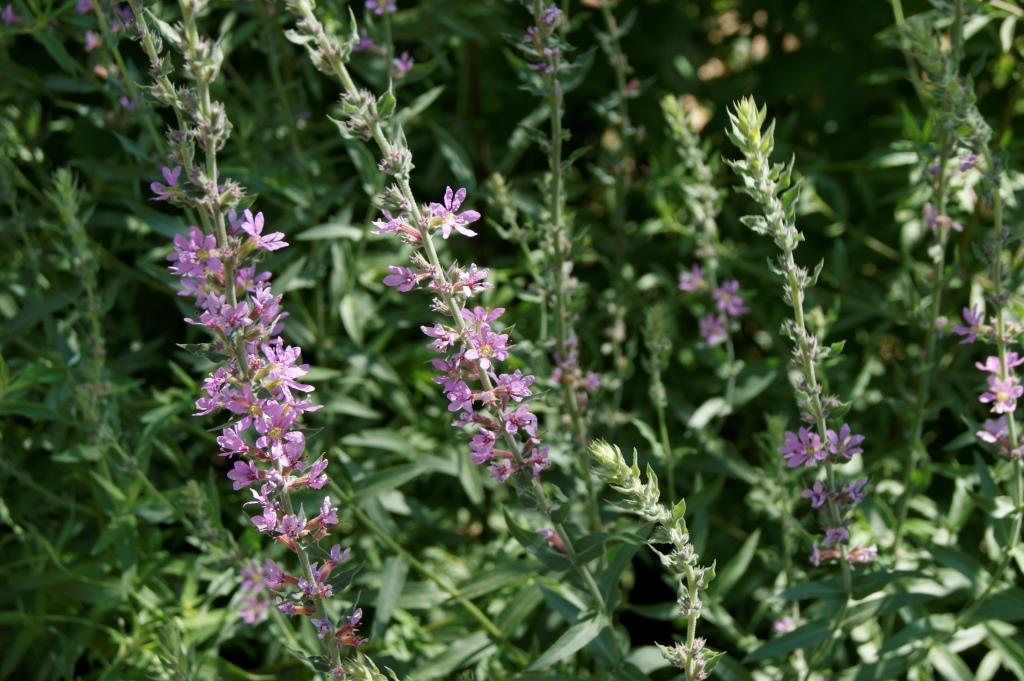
770,186
659,346
692,579
1004,386
257,378
545,49
123,20
505,432
704,204
945,94
617,110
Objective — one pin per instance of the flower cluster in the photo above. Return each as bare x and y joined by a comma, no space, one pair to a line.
820,448
489,402
381,7
568,372
1003,386
729,304
265,399
806,449
541,46
1004,389
257,379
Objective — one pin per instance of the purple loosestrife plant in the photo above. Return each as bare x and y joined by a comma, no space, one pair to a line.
257,382
490,403
547,59
1003,386
818,449
703,203
957,135
682,562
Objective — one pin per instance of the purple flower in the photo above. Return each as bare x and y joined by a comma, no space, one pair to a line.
253,226
802,448
328,513
8,16
783,625
273,576
401,278
379,7
442,335
974,319
447,216
92,41
930,215
292,525
835,535
1003,392
282,370
712,329
994,366
231,441
550,16
83,6
402,65
316,478
854,492
170,176
339,556
516,385
994,431
692,280
195,255
486,347
817,494
266,522
502,469
482,445
815,557
253,609
521,418
727,299
365,42
323,627
967,161
843,445
243,474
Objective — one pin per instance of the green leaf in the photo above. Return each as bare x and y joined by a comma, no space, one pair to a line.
1004,606
737,566
824,589
948,664
331,230
865,585
575,637
352,317
458,654
392,581
391,478
715,406
862,612
343,404
956,559
807,636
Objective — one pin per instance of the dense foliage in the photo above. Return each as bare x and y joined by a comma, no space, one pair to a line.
649,339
